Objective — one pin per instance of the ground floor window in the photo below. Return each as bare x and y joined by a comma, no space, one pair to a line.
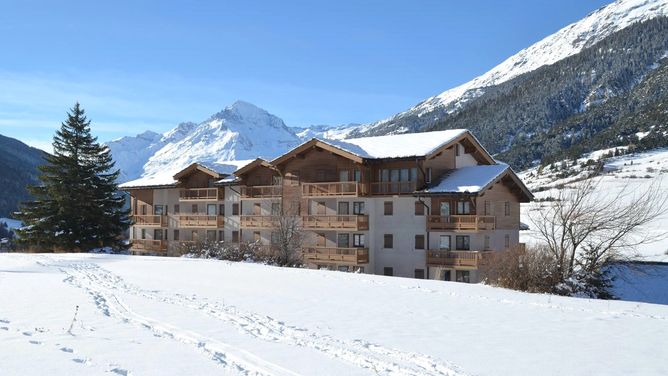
463,276
445,275
211,235
176,234
343,268
157,235
388,270
419,273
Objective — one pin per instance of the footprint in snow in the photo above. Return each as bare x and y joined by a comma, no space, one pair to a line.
85,361
4,328
35,342
67,350
4,321
27,334
120,371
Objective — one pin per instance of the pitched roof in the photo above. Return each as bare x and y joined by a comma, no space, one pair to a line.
170,178
399,145
472,179
475,179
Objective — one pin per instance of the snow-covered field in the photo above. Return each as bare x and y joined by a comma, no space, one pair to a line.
633,172
169,316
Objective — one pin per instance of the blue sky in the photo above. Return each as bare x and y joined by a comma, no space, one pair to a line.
138,65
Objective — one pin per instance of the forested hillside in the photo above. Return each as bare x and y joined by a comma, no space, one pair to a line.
18,168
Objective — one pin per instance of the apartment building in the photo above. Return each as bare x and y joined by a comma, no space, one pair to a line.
426,205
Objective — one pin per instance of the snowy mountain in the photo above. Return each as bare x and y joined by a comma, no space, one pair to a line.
239,132
568,41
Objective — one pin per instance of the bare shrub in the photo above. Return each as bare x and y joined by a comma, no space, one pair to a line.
531,269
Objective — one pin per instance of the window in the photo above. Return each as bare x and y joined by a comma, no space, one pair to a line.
444,242
457,150
235,209
506,208
488,207
446,275
486,241
419,273
388,241
157,234
256,236
419,241
343,240
388,270
177,209
143,233
463,242
211,209
358,240
388,207
221,209
275,208
463,207
274,237
343,268
357,174
358,207
176,234
194,209
144,210
428,177
507,241
158,210
344,208
211,235
275,180
221,235
419,208
463,276
344,175
235,236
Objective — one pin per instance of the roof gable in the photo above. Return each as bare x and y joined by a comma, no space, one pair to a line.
198,167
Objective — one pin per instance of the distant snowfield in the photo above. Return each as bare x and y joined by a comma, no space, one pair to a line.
170,316
11,223
638,171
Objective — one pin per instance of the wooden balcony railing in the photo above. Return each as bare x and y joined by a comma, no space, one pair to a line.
461,222
147,245
257,221
352,222
201,221
333,189
470,259
393,187
150,220
260,191
346,255
201,194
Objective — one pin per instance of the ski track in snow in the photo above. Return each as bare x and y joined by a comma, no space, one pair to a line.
103,285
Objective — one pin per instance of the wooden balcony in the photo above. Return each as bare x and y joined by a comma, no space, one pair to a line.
393,187
465,259
201,221
461,222
348,222
354,256
150,220
147,245
260,191
257,221
201,194
333,189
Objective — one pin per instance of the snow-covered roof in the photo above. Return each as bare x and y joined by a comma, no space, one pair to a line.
160,180
399,145
166,179
471,179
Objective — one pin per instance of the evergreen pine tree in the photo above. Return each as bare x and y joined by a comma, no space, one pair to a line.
77,206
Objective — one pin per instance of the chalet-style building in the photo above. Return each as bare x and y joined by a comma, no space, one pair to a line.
425,205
